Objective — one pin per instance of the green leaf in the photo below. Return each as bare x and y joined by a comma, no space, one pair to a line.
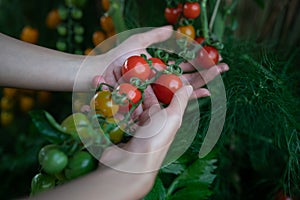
158,191
174,168
194,182
48,127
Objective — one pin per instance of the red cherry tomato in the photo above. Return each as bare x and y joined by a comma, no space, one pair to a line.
135,66
133,95
158,64
172,14
188,31
191,10
207,56
200,40
165,87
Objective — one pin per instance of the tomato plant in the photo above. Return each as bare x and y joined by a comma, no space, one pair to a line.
52,159
191,10
79,164
103,104
187,30
207,56
165,87
172,14
135,66
133,95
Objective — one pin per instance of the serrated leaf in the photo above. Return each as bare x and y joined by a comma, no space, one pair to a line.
174,168
158,191
48,127
194,181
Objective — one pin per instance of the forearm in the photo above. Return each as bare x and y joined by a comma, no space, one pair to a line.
104,183
24,65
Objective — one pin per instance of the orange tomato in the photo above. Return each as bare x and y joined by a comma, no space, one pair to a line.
89,51
29,34
26,103
9,92
44,97
53,19
105,5
107,23
188,31
98,37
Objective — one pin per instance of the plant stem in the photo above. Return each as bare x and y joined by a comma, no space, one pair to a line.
213,17
204,20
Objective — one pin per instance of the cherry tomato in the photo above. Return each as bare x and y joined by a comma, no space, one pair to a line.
10,92
188,31
107,23
136,66
103,104
117,133
41,182
52,159
133,95
26,103
6,117
98,37
165,87
6,104
200,40
172,15
80,164
207,56
191,10
77,125
29,34
105,5
158,64
53,19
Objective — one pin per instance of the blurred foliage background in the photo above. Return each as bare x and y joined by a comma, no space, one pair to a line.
259,149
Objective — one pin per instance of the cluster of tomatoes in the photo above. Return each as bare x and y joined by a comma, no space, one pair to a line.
138,73
183,15
20,101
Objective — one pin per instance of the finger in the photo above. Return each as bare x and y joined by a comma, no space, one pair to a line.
179,101
199,79
150,98
142,40
200,92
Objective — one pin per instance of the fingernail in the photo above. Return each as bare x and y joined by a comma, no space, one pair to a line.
206,93
225,68
189,90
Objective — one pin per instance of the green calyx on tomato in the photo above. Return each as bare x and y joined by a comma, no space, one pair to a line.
103,104
41,182
80,164
52,159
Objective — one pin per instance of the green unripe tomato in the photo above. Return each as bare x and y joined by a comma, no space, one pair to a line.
76,13
62,30
78,30
63,13
80,163
41,182
77,125
52,160
61,46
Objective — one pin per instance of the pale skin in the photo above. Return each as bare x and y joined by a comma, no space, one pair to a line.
29,66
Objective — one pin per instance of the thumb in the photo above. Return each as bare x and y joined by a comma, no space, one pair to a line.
180,100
